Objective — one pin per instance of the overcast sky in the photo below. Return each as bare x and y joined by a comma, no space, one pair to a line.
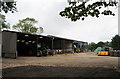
47,14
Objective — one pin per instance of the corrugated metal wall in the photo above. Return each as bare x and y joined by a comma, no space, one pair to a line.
64,45
9,44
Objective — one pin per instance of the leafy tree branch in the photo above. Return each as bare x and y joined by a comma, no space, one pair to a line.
8,6
80,10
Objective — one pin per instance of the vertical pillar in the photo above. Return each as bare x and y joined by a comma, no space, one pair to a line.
0,54
37,45
52,45
118,31
64,45
0,44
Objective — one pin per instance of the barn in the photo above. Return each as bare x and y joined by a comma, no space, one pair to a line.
16,44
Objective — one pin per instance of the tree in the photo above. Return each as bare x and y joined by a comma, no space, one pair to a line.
92,46
116,42
8,5
40,30
3,23
108,44
100,44
26,25
79,10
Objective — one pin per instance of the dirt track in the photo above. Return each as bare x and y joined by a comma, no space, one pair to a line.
77,65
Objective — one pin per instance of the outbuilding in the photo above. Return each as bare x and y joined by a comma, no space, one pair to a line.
14,44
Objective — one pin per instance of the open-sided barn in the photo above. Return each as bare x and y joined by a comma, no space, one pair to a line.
14,44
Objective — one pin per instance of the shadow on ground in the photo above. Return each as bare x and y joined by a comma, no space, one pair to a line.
49,71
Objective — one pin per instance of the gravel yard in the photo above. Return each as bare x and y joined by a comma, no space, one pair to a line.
70,65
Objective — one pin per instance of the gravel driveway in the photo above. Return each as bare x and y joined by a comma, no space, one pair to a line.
70,65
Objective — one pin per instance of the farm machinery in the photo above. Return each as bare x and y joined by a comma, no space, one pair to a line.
107,51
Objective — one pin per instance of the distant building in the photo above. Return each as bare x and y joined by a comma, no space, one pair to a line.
14,44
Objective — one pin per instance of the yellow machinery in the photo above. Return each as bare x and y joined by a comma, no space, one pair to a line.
77,51
105,53
109,52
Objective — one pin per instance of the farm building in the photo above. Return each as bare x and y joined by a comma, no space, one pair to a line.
14,44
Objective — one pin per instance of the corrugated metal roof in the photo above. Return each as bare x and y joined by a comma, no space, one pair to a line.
48,36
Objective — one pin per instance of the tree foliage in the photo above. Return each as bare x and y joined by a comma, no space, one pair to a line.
40,30
116,42
7,6
92,46
100,44
108,44
26,25
80,10
3,23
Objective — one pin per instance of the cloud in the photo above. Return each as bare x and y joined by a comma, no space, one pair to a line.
47,13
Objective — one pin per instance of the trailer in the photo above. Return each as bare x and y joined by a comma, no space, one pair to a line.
115,53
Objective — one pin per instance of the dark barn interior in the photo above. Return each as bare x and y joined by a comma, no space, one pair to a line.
29,44
26,45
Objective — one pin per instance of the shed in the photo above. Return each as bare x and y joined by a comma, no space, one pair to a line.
16,44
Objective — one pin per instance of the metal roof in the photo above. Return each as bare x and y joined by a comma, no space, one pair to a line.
48,36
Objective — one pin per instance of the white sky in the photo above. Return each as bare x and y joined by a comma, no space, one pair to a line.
47,14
